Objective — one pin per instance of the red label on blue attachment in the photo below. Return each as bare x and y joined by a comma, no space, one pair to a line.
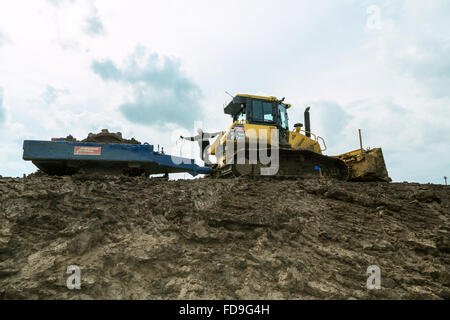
87,151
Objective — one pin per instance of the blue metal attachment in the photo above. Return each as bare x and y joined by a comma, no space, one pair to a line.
66,157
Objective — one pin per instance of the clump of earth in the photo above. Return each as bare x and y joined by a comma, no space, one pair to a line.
245,238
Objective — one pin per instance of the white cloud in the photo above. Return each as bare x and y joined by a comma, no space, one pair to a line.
93,25
2,111
3,39
51,94
162,94
59,3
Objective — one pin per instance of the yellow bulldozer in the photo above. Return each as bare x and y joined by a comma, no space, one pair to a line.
259,142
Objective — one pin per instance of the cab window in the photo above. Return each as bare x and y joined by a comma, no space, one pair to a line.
262,111
241,117
267,110
283,116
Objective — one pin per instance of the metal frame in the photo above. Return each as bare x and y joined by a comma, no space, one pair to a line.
128,155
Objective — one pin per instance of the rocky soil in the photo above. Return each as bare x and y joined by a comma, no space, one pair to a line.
137,238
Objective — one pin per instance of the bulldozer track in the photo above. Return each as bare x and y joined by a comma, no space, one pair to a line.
292,163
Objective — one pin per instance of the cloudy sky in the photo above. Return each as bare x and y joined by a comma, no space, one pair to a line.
156,69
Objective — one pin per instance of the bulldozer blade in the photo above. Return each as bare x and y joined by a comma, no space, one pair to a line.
366,165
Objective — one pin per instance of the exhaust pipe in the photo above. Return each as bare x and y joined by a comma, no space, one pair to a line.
307,123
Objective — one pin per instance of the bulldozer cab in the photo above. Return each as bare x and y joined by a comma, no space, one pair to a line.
260,111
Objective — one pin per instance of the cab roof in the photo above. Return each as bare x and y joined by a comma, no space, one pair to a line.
235,105
271,98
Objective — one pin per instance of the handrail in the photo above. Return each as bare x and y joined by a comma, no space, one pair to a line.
316,138
324,144
313,134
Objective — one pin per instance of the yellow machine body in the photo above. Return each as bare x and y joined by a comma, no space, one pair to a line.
301,151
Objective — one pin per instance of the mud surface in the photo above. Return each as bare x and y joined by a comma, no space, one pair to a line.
136,238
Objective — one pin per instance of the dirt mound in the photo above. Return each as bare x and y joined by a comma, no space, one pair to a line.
137,238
